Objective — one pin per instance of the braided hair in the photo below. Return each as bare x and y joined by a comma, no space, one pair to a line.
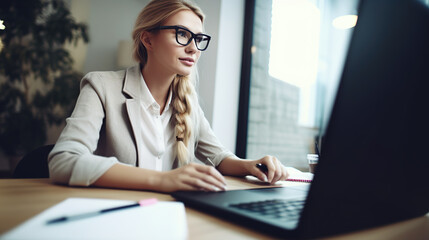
152,16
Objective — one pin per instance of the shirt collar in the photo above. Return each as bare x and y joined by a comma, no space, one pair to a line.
147,99
170,95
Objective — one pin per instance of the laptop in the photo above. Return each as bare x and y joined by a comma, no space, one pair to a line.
373,166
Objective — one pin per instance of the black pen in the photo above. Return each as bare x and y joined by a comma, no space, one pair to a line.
262,167
144,202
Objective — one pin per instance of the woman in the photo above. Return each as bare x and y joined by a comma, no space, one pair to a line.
143,128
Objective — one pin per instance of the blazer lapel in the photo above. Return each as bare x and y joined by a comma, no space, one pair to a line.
132,88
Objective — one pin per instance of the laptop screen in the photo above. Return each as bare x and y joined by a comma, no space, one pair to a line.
373,167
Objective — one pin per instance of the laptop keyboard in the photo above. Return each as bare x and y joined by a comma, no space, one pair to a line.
279,209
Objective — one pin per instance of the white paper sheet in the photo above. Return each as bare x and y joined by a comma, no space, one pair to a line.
163,220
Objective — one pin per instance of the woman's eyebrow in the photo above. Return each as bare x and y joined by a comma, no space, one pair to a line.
189,29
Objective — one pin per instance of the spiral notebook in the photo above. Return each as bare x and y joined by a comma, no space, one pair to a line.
296,175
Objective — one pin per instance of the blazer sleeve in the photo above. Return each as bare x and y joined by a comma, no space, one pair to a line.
208,146
72,160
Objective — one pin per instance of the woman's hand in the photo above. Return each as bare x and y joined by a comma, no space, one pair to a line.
276,170
241,167
192,177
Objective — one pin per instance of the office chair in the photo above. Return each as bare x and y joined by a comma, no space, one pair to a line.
34,164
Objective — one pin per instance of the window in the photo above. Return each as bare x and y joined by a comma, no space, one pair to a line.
294,48
286,83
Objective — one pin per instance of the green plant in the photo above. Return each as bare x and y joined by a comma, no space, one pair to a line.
38,86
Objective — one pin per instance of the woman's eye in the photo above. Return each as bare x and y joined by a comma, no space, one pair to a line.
182,34
199,39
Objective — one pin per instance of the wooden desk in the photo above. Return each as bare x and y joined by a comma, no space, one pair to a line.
21,199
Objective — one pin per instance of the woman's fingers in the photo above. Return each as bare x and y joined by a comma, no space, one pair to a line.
193,177
276,170
271,168
205,177
259,173
200,184
285,174
211,171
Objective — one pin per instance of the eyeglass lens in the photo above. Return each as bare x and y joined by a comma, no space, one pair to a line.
184,37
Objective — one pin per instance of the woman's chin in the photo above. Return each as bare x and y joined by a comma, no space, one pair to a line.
184,72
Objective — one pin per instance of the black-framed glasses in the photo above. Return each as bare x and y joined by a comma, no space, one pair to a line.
184,37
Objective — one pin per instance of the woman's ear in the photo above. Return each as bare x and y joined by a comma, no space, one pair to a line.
146,39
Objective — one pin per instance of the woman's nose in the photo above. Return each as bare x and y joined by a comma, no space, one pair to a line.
192,47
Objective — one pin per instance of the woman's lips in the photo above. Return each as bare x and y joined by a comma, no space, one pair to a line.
187,61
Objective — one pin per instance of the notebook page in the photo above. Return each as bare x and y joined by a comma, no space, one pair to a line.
163,220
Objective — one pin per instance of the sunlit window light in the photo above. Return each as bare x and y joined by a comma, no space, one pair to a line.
253,49
345,22
295,33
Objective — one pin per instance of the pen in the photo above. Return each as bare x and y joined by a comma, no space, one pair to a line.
262,167
144,202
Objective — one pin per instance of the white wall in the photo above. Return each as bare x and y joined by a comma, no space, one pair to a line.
220,67
228,71
208,61
109,22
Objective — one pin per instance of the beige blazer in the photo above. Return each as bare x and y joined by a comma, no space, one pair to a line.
104,127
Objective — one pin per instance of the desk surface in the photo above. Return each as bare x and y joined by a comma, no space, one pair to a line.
21,199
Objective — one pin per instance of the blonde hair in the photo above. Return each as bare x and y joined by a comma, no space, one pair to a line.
152,16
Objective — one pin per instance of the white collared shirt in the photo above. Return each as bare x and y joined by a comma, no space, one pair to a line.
157,132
